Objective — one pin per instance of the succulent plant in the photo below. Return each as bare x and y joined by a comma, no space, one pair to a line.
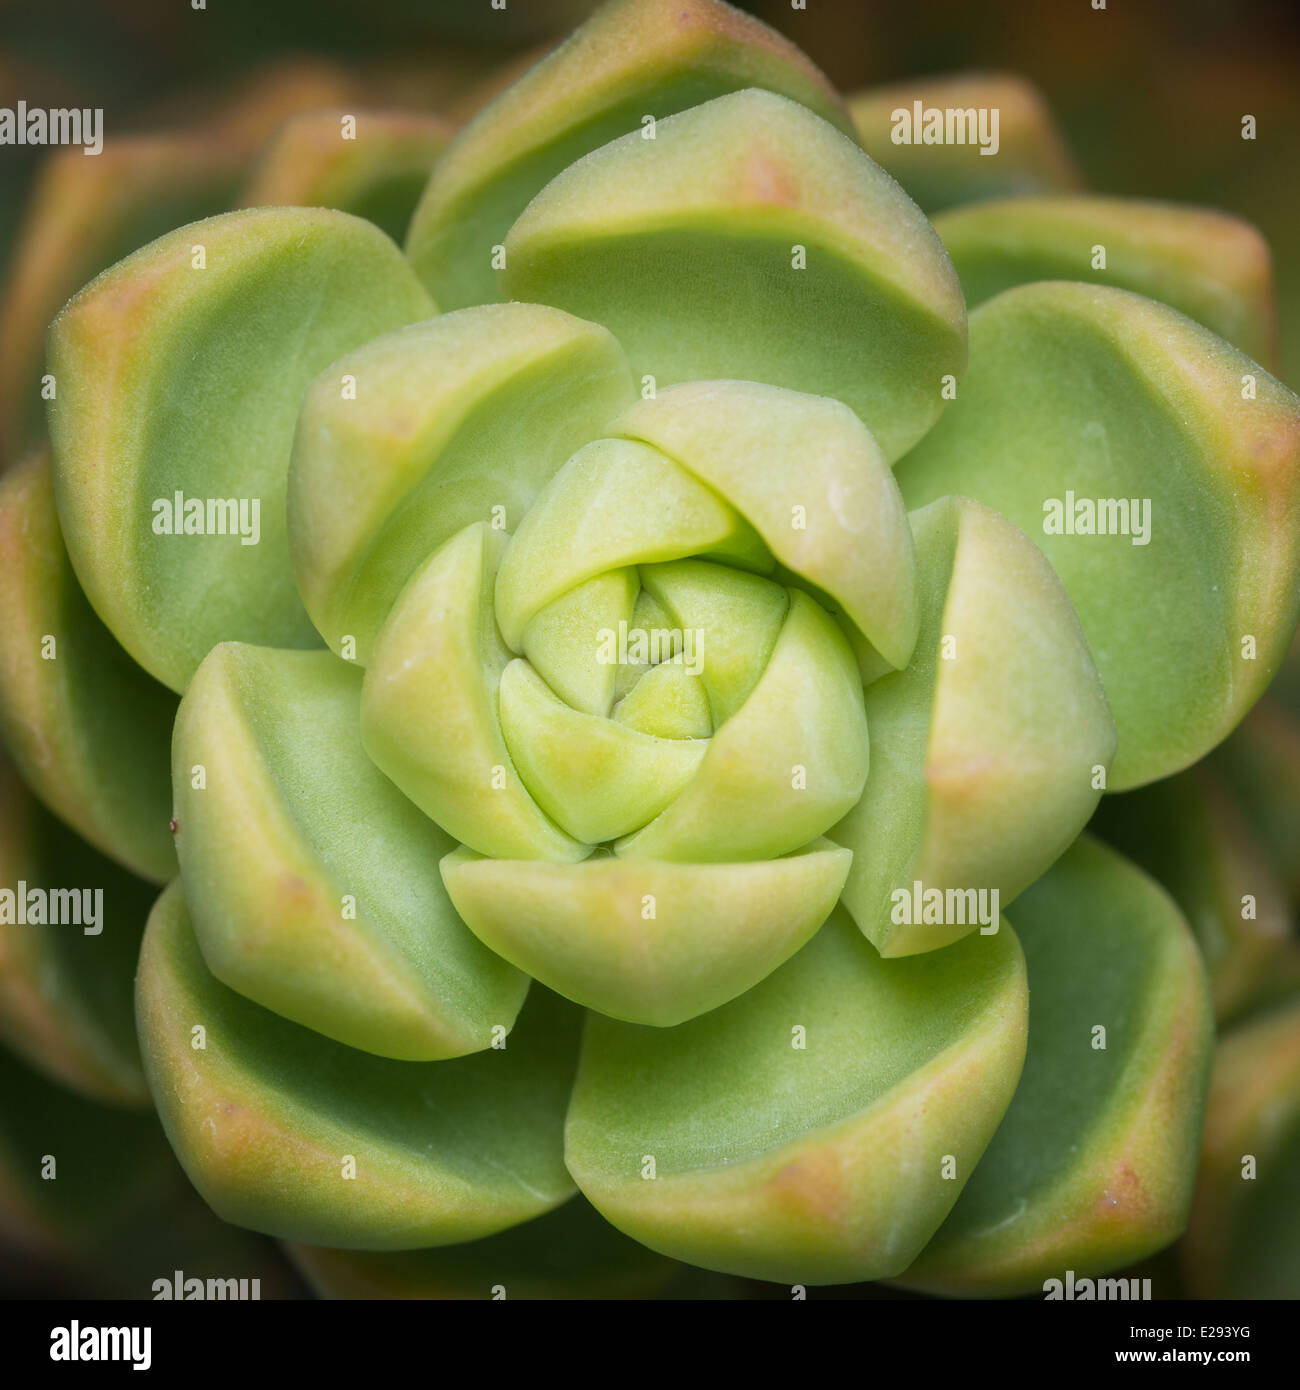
614,712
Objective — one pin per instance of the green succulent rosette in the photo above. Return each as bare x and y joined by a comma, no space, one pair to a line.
615,714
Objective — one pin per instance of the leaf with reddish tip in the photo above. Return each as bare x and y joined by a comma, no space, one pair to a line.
1029,157
1208,265
287,1132
89,730
987,750
1186,578
1092,1167
752,240
837,1093
85,214
632,59
181,373
374,168
328,909
65,986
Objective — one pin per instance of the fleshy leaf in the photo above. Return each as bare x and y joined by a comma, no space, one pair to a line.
65,986
375,168
327,909
987,749
734,618
572,1252
801,1133
1092,1167
179,373
1029,156
804,472
643,940
457,420
785,767
85,214
596,778
1157,468
632,60
429,709
751,240
558,639
1208,265
286,1132
1245,1225
1190,835
616,503
669,702
89,730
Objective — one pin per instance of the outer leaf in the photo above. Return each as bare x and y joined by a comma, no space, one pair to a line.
1030,155
1245,1226
86,213
65,995
1100,394
376,170
642,940
312,881
752,240
87,727
265,1116
1212,267
458,420
1093,1165
988,747
174,378
571,1252
813,1164
1191,836
634,58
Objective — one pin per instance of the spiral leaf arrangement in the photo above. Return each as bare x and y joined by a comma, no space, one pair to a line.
650,681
